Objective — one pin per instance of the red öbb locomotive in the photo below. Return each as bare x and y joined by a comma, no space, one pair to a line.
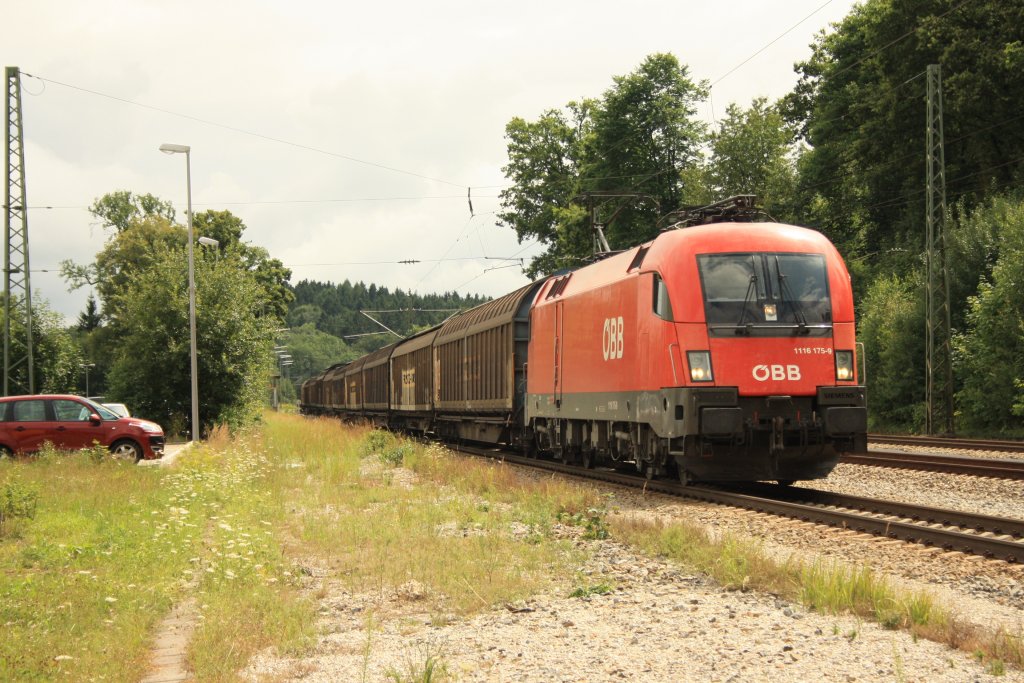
721,352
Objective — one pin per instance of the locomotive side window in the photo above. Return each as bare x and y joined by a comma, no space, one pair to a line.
766,294
661,304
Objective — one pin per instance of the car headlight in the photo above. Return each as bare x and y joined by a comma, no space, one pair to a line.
700,366
148,427
844,366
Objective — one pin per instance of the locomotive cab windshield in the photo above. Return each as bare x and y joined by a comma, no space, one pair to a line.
766,294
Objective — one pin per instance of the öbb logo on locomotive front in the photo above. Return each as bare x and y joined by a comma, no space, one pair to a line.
762,373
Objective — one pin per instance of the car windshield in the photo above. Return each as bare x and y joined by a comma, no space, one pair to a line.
104,413
766,294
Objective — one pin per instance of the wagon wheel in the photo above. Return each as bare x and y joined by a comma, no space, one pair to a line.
588,458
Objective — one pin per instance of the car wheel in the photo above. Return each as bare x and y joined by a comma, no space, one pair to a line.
5,452
126,450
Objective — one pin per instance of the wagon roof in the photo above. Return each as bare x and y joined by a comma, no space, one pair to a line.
486,316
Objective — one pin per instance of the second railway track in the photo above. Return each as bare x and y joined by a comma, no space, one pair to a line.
933,462
986,536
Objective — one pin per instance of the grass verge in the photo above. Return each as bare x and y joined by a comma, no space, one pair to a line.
86,576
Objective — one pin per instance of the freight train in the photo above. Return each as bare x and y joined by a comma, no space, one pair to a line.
718,352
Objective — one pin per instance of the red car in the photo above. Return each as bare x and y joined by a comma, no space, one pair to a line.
71,423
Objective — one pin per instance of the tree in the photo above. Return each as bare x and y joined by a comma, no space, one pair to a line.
234,342
56,358
622,158
859,105
271,274
891,326
645,135
89,319
750,154
128,252
990,352
122,208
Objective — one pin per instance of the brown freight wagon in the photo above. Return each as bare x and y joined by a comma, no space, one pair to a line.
312,395
376,394
333,389
412,383
352,386
480,370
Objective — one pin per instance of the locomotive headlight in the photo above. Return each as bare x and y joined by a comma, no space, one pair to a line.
844,365
700,366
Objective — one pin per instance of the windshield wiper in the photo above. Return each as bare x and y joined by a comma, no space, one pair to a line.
787,296
751,292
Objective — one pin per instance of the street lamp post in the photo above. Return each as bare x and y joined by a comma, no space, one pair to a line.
86,367
187,151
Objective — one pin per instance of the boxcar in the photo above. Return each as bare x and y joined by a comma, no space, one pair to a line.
479,366
412,383
376,385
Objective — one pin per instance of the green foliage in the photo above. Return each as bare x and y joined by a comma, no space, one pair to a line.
750,155
122,209
638,139
270,273
593,521
130,251
18,500
312,351
89,319
56,357
860,105
892,327
591,590
376,442
152,369
990,353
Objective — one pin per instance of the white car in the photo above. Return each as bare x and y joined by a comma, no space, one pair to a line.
119,408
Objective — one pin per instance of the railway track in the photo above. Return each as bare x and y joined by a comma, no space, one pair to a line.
986,536
947,442
932,462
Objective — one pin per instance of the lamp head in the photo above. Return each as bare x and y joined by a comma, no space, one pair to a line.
169,148
208,241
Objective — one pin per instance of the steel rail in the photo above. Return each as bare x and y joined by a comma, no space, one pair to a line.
932,462
994,537
948,442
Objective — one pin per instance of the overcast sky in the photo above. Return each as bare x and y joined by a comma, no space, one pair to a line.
277,100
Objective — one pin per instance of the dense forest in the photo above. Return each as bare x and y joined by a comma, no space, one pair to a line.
335,309
327,323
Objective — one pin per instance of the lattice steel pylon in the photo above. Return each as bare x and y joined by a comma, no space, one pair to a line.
939,360
18,346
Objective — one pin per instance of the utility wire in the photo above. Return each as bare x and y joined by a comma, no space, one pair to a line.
767,45
301,201
246,132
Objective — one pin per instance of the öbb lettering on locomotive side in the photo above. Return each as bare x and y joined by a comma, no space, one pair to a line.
720,352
